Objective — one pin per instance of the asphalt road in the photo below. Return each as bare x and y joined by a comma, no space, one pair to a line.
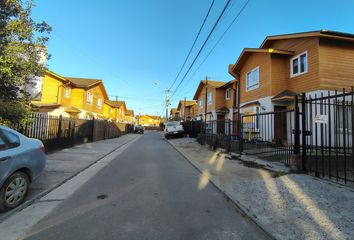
148,192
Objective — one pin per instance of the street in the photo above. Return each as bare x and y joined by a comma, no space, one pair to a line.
148,192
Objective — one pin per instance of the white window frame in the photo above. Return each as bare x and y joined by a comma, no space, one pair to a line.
99,103
228,94
254,86
89,98
210,98
299,66
200,103
67,92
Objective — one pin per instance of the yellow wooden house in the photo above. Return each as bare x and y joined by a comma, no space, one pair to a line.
148,120
74,97
129,116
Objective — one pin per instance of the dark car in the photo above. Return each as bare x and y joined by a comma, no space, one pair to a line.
139,129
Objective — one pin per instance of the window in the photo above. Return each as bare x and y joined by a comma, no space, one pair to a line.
99,103
67,92
89,98
252,79
200,103
2,144
298,65
13,139
228,93
110,110
210,100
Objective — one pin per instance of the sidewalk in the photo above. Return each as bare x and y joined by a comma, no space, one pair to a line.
64,164
291,206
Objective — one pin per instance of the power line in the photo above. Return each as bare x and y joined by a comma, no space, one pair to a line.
195,40
219,40
201,49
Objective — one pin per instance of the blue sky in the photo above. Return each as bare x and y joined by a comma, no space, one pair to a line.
131,44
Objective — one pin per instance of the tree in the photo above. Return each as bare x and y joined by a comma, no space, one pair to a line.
22,54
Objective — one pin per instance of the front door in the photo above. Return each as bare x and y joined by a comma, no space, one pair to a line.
280,128
221,124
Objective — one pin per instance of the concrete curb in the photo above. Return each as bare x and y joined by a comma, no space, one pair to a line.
45,192
236,204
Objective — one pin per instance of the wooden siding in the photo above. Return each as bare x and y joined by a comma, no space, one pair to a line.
220,98
280,72
336,64
305,82
261,60
210,107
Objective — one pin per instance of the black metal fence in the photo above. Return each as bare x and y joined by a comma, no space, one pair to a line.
58,132
268,135
316,135
327,139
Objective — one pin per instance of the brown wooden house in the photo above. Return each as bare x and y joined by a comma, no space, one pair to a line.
286,65
187,109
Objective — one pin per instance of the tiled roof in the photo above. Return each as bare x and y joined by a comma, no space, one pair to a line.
129,113
117,104
83,82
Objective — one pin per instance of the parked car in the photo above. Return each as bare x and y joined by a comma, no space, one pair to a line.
173,129
139,129
22,160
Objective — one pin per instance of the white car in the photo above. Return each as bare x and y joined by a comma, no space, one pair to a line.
173,129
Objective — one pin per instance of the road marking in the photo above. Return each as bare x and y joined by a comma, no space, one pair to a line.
16,226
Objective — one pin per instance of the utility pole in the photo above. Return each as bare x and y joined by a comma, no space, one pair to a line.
167,91
184,109
206,97
206,103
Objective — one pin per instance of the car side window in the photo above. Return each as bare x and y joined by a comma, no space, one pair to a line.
13,139
2,144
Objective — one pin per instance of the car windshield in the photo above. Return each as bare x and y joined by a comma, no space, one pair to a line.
170,124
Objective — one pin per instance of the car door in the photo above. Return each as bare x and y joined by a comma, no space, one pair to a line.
9,153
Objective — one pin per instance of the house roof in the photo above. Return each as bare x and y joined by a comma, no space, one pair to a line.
284,96
83,82
57,76
46,105
267,43
228,83
222,110
173,111
211,83
255,103
86,83
72,109
319,33
188,103
116,104
129,112
248,51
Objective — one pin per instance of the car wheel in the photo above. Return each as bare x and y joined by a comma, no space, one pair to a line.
14,191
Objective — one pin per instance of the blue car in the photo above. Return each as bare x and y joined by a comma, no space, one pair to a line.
22,160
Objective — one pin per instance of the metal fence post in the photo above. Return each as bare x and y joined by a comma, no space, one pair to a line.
59,126
297,127
93,130
296,132
240,132
304,131
229,135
